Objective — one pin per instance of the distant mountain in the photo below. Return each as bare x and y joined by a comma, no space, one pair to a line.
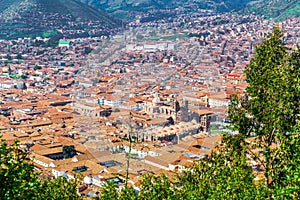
68,18
116,6
278,9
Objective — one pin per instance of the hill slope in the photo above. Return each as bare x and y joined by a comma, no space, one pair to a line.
148,4
278,9
142,5
70,18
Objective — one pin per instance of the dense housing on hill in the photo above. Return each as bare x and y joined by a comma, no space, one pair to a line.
67,18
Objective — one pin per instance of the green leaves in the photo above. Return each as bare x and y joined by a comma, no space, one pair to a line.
271,112
157,188
69,151
273,82
226,175
18,180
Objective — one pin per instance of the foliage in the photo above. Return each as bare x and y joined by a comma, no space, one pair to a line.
59,188
270,111
69,151
53,41
18,180
19,56
8,56
151,188
157,188
225,175
24,76
110,192
37,67
280,9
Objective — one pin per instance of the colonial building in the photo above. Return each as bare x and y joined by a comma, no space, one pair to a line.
159,108
91,110
177,119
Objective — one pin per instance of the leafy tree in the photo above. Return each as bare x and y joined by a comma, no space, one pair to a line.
59,188
18,180
53,41
69,151
87,50
157,188
224,175
19,56
24,76
109,192
36,67
8,56
270,109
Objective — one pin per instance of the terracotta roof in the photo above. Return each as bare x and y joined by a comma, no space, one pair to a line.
38,147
